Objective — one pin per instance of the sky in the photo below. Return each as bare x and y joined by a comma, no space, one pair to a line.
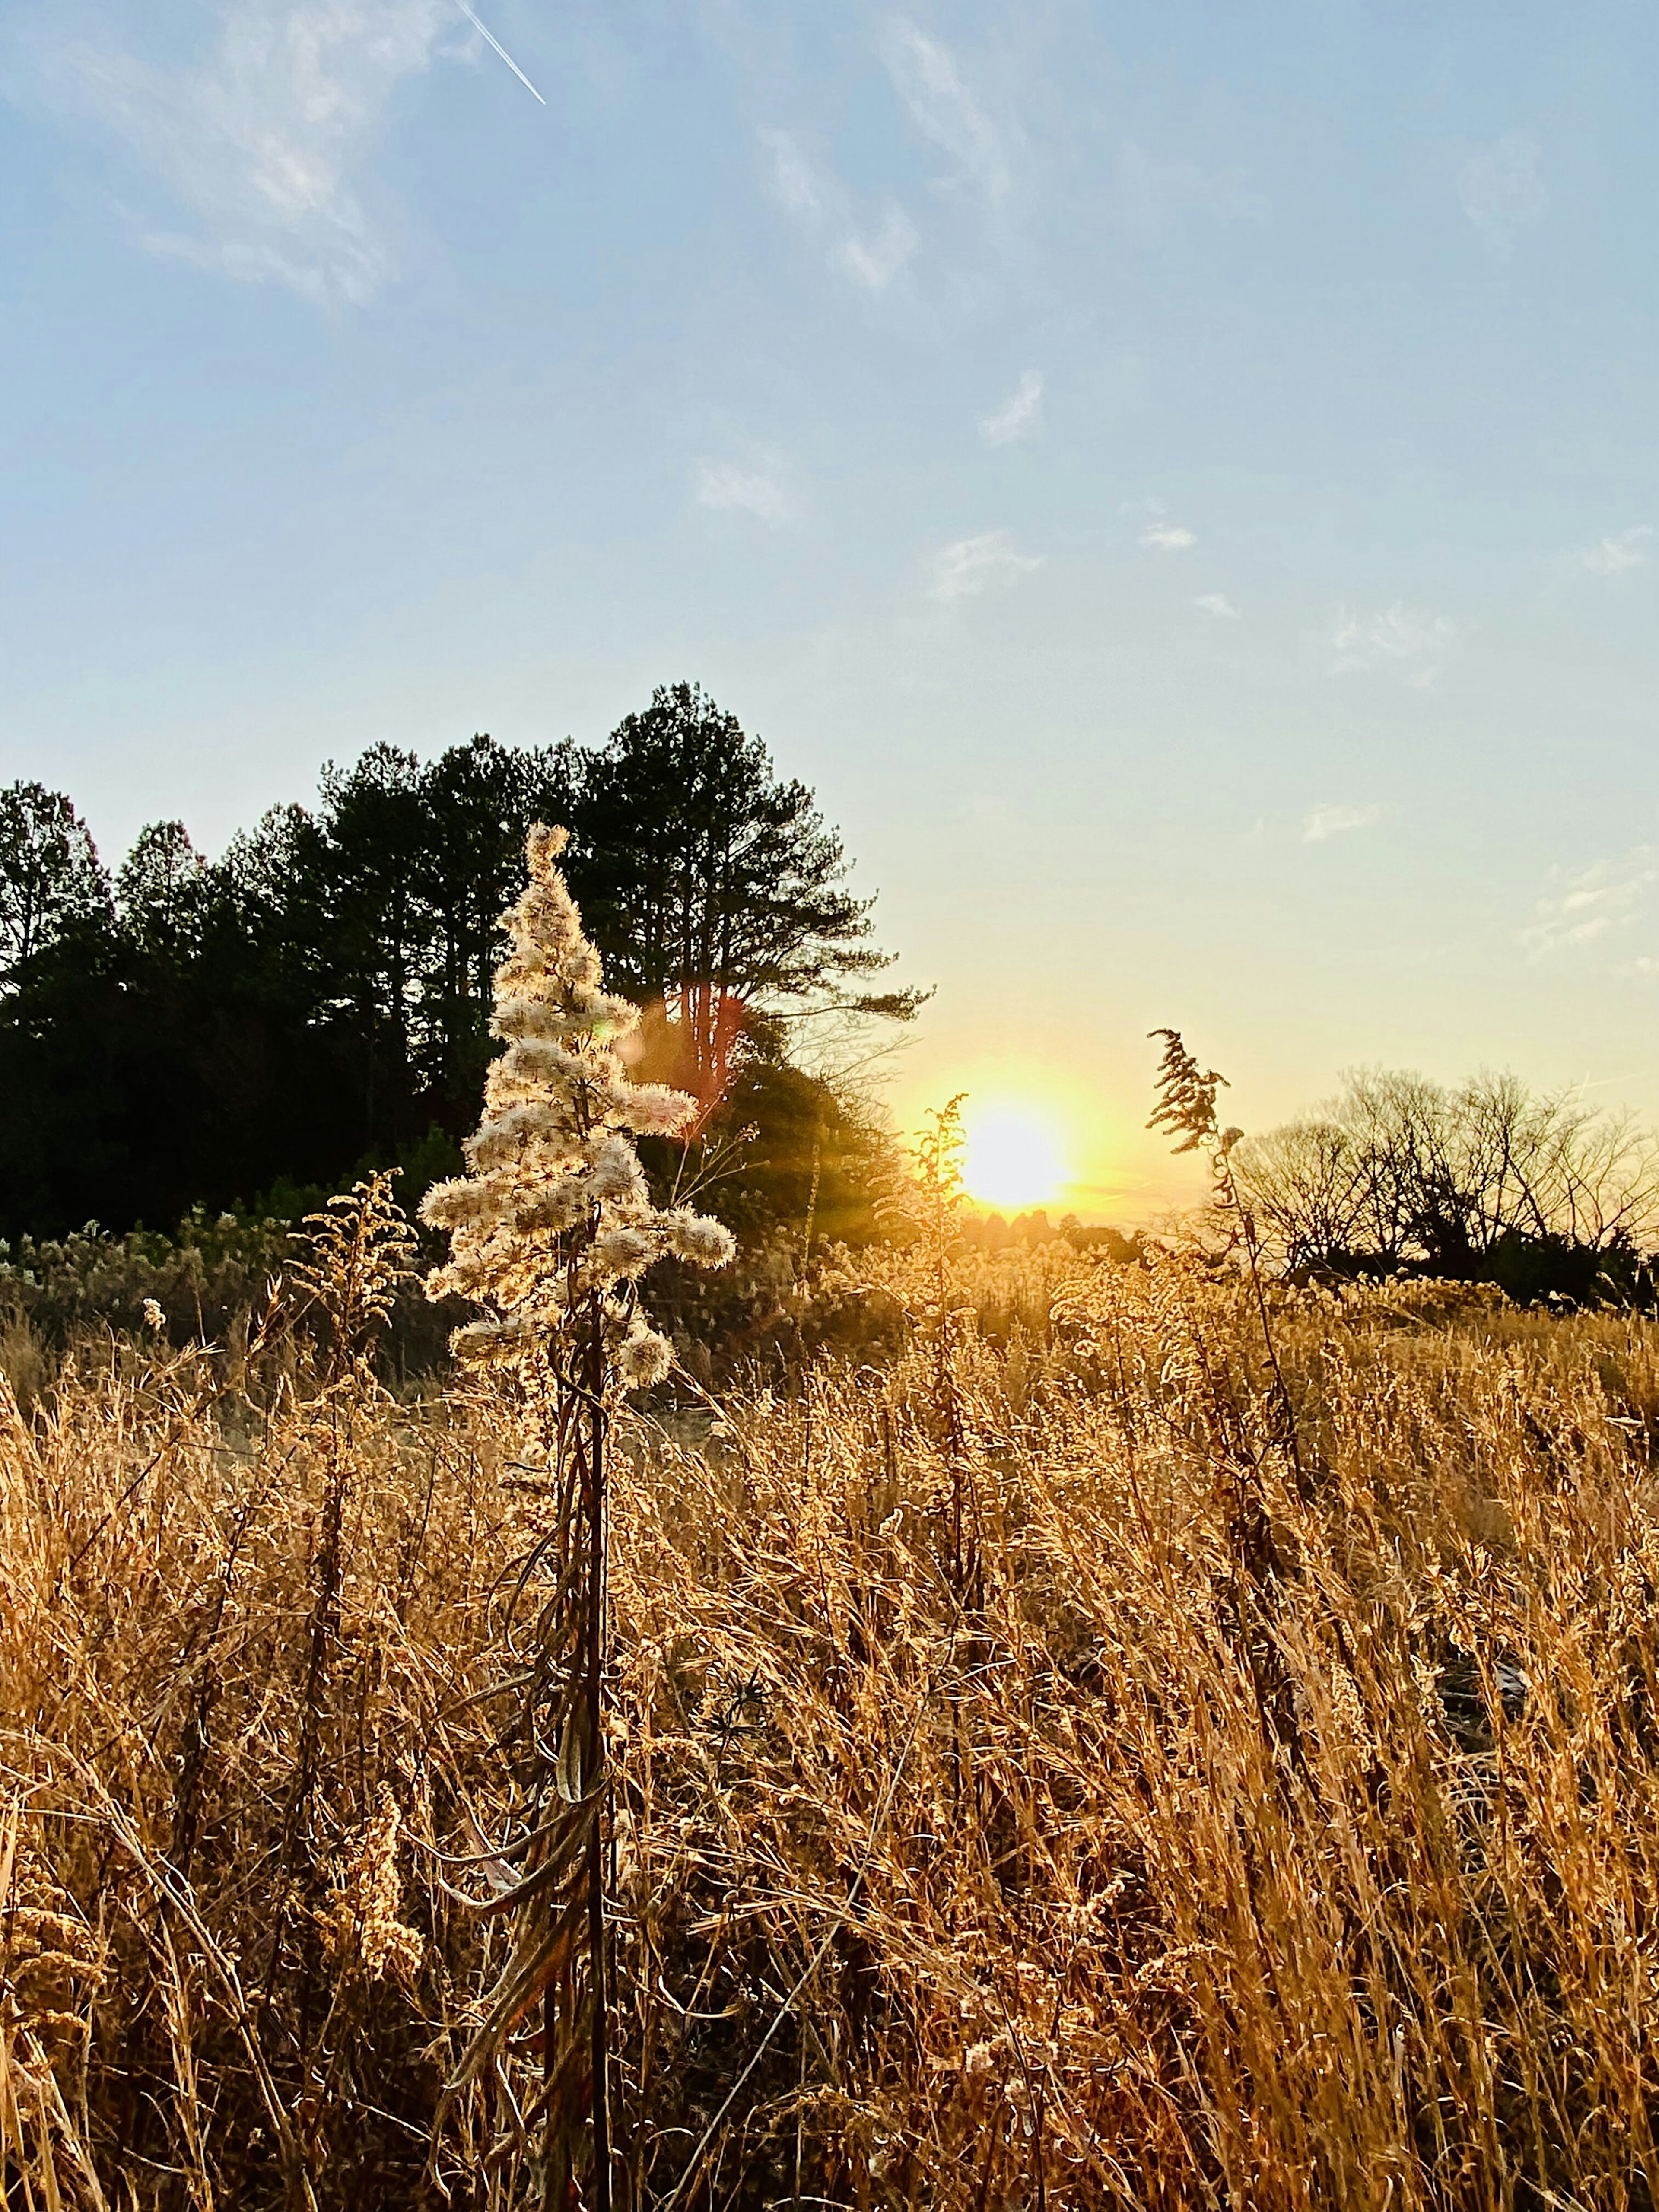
1181,483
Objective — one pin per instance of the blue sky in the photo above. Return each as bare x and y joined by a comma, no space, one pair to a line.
1180,482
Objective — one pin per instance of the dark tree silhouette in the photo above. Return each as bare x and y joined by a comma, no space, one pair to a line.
479,800
713,887
1484,1181
52,885
162,893
316,1002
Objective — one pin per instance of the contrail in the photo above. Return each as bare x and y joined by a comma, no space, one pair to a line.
1600,1082
500,48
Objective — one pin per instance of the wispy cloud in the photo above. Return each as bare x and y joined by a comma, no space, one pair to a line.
1158,533
1155,196
812,193
1595,903
1020,415
925,77
973,565
874,249
1615,555
1218,603
1414,644
1320,824
263,144
729,487
1501,191
791,178
875,261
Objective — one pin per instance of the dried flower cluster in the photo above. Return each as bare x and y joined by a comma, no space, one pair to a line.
360,1925
550,1233
360,1248
52,1960
554,1217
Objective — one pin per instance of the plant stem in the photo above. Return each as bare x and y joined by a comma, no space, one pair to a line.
599,1995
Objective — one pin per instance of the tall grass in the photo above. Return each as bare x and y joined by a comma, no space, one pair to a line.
1119,1871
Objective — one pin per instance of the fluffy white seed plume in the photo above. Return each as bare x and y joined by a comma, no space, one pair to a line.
554,1224
657,1112
618,1254
643,1358
695,1237
613,1174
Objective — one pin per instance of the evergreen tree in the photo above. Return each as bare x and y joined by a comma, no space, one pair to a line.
161,893
712,886
479,801
373,835
52,885
317,1002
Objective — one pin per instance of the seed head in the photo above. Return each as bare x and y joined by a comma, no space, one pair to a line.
554,1224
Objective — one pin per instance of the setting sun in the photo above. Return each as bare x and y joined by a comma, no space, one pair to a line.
1013,1158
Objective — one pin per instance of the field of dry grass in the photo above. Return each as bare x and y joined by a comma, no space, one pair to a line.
1037,1786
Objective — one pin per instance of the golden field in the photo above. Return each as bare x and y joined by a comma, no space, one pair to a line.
1036,1783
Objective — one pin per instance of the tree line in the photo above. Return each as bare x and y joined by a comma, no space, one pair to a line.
248,1029
1485,1181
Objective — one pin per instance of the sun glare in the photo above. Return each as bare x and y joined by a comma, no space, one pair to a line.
1013,1158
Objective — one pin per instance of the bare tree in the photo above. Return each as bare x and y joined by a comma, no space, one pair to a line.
1307,1186
1400,1171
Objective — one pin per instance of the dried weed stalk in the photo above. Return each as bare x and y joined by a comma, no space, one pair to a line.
551,1231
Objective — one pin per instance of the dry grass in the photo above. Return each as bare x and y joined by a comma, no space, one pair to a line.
1081,1862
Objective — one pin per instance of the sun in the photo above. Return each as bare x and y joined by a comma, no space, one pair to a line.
1013,1158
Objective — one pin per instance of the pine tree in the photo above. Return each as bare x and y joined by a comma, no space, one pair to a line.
716,889
51,882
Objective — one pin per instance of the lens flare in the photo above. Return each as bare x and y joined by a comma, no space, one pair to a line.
1013,1158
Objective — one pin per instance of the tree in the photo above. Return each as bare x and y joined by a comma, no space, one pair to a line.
162,892
260,865
52,885
712,888
479,801
373,837
1488,1181
397,889
1308,1189
316,1004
